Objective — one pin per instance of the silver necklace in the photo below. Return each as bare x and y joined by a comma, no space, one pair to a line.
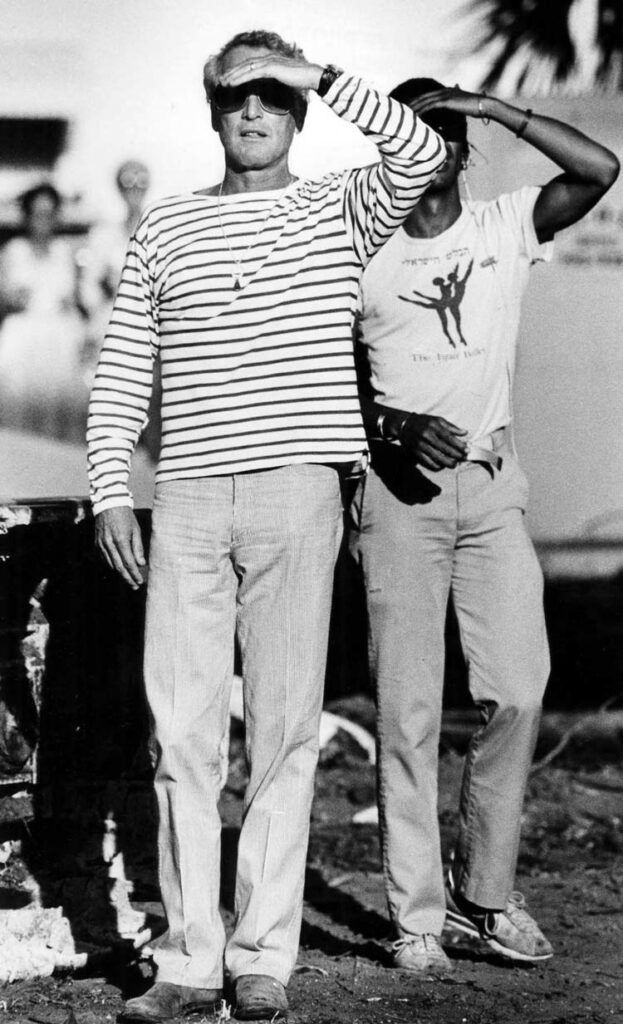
237,272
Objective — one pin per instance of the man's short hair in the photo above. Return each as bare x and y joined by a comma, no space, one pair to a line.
450,125
213,67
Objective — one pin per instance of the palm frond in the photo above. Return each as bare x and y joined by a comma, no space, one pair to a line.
514,29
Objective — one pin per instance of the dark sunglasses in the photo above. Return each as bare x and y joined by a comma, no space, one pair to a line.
274,96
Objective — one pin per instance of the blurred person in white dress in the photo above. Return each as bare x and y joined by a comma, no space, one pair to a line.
42,389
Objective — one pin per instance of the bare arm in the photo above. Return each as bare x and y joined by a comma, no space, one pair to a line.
589,169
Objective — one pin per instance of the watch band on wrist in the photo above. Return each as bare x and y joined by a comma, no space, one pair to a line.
327,78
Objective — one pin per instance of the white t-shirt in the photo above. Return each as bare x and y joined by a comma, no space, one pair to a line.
440,316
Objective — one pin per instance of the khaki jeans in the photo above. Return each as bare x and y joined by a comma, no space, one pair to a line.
252,553
418,537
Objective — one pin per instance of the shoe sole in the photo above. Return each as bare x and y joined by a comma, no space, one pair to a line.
461,924
202,1008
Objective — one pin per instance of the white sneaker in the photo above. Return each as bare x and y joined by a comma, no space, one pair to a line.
421,954
511,933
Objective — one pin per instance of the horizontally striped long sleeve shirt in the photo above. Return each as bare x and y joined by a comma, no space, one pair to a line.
262,376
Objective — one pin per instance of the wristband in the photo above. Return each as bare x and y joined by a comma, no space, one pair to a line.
380,427
524,124
327,79
401,428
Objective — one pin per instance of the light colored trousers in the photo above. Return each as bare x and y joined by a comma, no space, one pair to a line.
418,536
252,553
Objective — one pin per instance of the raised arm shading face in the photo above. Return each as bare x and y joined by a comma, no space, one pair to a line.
589,169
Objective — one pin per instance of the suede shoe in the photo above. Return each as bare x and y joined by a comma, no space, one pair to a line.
260,997
512,933
421,954
164,1001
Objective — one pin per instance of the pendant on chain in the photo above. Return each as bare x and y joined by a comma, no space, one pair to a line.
237,274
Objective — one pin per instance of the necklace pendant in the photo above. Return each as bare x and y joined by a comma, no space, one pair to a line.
237,283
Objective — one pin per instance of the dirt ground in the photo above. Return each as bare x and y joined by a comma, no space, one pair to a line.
570,870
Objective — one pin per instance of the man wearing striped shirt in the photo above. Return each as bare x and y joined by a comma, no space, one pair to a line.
245,292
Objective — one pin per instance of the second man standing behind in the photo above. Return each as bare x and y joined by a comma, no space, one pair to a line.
442,512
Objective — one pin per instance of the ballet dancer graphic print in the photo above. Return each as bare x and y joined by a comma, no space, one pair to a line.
451,292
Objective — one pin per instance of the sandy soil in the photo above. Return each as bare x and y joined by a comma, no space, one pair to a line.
570,870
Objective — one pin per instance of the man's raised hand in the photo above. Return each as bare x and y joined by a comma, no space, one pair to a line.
293,71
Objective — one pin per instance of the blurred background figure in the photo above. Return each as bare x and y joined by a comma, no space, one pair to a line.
101,262
133,183
42,389
107,242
